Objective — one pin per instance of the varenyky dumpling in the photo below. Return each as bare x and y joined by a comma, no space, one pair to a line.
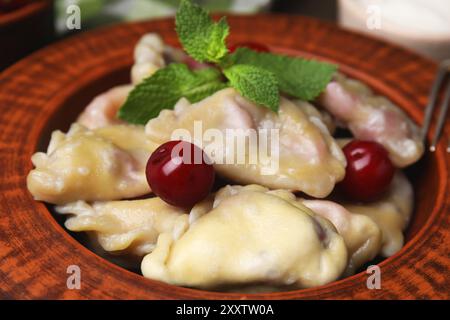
391,213
252,236
102,110
130,226
361,234
375,118
316,116
309,158
103,164
148,58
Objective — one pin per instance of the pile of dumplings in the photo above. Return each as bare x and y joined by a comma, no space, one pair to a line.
256,232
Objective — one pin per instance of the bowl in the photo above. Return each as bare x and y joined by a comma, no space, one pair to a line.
48,89
24,29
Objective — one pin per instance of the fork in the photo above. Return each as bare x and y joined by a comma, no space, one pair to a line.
443,71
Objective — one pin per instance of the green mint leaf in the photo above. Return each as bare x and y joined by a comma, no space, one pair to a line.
298,77
254,83
201,37
165,87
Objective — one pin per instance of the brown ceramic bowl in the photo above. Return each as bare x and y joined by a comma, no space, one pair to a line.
49,88
24,29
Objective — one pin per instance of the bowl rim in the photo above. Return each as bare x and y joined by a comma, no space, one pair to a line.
121,58
20,14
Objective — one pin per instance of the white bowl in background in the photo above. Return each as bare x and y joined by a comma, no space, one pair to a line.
421,25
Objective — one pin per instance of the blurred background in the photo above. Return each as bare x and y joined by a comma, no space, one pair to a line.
423,25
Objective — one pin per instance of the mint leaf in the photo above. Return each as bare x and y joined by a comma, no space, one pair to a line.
257,76
255,84
298,77
201,37
165,87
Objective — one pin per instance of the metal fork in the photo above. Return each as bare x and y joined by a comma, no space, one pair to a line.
444,70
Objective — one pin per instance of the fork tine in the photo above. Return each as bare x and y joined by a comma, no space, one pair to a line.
442,118
442,72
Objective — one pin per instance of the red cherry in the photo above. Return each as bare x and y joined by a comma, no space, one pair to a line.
255,46
193,64
180,173
369,170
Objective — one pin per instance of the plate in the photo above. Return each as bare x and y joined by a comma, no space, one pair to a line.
48,89
32,21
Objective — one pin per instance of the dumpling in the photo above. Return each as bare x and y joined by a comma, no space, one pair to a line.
303,156
391,213
316,116
104,164
250,236
128,226
361,234
372,117
102,110
148,57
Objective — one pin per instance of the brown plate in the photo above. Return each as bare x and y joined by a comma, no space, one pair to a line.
49,88
24,29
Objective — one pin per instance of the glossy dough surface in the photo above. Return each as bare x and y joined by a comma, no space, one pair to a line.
309,158
103,164
127,226
375,118
391,213
361,234
149,57
102,110
250,236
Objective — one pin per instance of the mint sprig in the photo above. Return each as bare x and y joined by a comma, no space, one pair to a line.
301,78
254,83
165,87
259,77
201,37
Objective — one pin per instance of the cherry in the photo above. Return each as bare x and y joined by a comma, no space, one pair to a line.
369,170
193,64
180,173
255,46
